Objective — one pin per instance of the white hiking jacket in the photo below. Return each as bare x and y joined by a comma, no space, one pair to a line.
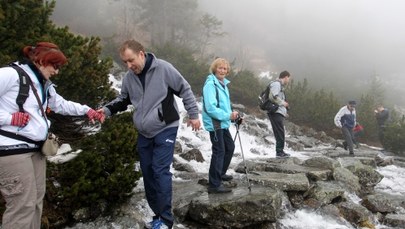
36,129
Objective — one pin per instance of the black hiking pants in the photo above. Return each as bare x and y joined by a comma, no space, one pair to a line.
277,123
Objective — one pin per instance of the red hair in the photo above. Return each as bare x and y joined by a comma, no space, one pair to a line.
45,54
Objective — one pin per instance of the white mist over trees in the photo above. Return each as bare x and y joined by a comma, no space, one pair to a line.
340,45
337,44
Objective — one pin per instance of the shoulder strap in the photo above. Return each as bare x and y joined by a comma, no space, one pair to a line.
23,93
24,87
35,93
281,87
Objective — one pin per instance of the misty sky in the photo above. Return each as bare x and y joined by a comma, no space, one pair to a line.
331,42
337,38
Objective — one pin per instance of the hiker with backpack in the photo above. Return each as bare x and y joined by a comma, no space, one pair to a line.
217,116
273,101
23,129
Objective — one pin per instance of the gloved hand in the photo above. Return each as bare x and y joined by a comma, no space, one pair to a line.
94,115
20,119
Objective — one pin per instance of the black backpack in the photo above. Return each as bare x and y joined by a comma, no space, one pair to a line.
265,103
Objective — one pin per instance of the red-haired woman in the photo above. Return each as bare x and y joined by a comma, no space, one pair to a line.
22,166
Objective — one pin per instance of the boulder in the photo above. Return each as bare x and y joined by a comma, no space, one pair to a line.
237,209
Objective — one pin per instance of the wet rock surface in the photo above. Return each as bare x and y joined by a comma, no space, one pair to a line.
264,190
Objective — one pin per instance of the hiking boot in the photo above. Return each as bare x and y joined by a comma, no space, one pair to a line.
351,153
345,145
159,224
149,225
282,154
226,177
220,189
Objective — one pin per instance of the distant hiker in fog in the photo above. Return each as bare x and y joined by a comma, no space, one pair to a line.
382,115
217,116
277,118
345,119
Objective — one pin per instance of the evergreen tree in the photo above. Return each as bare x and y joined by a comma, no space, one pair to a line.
310,108
376,90
102,174
241,87
322,110
107,160
211,28
394,136
168,21
22,22
183,60
365,110
365,116
298,99
84,79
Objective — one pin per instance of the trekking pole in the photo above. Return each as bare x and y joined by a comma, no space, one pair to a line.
237,124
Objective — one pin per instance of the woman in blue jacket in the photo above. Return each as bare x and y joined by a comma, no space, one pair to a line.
217,115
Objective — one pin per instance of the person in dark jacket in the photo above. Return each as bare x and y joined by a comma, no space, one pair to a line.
382,115
345,119
150,85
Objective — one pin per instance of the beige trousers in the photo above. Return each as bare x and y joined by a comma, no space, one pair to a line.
22,184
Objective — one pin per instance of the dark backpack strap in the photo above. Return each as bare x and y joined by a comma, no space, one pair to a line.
19,137
275,81
24,87
21,98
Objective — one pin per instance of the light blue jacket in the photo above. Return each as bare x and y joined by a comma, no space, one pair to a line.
216,116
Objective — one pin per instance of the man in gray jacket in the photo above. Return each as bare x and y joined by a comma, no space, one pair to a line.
277,118
150,86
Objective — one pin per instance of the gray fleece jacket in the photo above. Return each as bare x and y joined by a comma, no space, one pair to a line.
155,106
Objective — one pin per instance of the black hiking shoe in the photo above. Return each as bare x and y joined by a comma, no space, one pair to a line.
226,177
345,145
351,153
282,154
220,189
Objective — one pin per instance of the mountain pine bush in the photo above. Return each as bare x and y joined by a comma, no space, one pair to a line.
394,136
101,176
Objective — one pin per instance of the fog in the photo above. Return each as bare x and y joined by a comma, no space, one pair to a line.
333,43
343,38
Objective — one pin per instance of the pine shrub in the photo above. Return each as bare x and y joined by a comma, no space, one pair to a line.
101,177
394,136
